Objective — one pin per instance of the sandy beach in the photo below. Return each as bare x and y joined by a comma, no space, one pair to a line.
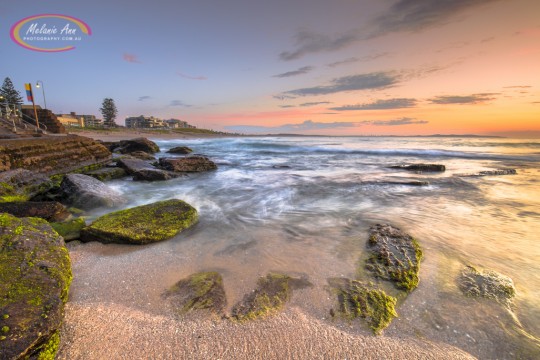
126,134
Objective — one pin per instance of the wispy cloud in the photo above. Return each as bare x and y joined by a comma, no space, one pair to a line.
517,87
283,97
396,122
314,103
398,103
370,81
191,77
131,58
310,42
467,99
301,71
358,59
146,97
179,103
286,106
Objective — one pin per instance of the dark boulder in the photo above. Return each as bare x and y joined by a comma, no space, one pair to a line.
421,167
143,171
142,224
35,274
187,164
180,150
139,144
85,192
200,291
394,256
48,210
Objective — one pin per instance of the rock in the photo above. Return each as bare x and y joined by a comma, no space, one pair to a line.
404,182
35,274
139,144
143,171
142,224
187,164
355,299
421,167
111,145
107,173
491,173
69,230
271,294
394,256
142,155
22,185
281,167
200,291
487,284
85,192
180,150
48,210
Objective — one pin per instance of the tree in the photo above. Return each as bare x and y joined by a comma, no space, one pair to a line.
109,111
12,96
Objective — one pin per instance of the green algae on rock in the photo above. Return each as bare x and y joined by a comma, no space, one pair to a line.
355,300
487,284
69,230
271,294
200,291
394,256
142,224
35,274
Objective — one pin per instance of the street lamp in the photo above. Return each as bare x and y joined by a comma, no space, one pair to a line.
39,84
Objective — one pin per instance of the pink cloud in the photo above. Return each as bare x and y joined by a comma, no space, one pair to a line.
191,77
131,58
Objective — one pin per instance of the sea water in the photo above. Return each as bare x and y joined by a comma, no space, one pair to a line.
303,206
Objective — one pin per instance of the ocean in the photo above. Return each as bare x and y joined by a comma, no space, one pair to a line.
303,206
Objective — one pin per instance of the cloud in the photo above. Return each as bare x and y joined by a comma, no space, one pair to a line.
301,71
371,81
286,106
356,59
283,97
517,87
396,122
398,103
310,42
131,58
314,103
146,97
178,103
467,99
191,77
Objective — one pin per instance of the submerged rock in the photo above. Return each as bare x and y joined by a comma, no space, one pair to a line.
48,210
487,284
143,171
180,150
421,167
142,224
271,294
491,173
86,192
394,256
69,230
194,163
138,144
35,274
22,185
200,291
355,299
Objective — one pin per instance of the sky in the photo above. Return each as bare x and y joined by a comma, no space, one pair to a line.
342,67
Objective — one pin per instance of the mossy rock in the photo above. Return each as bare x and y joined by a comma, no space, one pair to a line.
356,300
48,210
35,274
394,256
22,185
107,173
271,294
200,291
142,224
69,230
488,284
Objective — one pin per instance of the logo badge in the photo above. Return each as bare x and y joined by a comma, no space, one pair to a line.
49,32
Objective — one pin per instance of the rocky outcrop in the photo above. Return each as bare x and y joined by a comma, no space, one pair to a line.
271,294
487,284
35,274
52,155
85,192
194,163
180,150
138,144
421,167
200,291
142,155
107,173
48,210
394,256
142,224
143,171
21,185
357,300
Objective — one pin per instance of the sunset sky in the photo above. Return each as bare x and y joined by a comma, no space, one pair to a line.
338,67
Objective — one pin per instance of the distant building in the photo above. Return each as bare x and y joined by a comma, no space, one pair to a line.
177,124
92,121
144,122
71,119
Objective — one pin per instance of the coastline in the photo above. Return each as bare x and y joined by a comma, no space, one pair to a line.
128,134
